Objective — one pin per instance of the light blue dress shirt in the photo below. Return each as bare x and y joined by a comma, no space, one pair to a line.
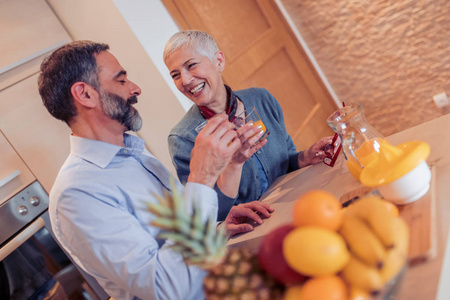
98,214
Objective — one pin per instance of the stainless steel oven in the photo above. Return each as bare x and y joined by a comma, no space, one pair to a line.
27,268
20,215
32,265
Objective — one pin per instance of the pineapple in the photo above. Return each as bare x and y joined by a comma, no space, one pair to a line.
234,274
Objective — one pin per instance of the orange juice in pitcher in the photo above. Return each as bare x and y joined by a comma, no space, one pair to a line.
360,141
364,155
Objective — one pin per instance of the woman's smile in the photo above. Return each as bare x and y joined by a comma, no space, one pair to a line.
197,89
198,77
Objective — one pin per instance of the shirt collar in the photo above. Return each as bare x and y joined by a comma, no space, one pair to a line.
102,153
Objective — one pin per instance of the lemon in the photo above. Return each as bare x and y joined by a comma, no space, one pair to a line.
315,251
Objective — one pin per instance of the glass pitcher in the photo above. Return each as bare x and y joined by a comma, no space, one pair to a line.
360,141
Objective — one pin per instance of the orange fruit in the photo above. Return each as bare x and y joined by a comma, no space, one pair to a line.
324,288
315,251
318,208
358,294
293,292
392,208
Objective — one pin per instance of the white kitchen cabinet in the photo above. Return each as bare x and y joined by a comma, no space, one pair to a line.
14,174
41,140
28,30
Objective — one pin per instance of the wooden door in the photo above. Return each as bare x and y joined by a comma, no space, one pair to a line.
261,51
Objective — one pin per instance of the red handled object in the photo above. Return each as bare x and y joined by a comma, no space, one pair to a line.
330,160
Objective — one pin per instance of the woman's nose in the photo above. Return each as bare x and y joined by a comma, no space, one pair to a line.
186,78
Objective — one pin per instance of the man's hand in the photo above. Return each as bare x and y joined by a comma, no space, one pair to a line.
239,216
317,152
214,146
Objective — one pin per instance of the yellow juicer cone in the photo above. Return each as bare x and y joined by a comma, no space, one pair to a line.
394,162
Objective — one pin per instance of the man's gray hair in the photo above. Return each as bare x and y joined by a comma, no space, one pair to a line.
201,41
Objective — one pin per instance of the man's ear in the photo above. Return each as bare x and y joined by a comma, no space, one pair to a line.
220,60
84,94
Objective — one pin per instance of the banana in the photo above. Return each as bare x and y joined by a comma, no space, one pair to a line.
374,210
395,260
393,231
362,276
398,255
363,242
363,207
402,236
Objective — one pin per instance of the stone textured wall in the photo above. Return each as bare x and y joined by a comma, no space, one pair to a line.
392,56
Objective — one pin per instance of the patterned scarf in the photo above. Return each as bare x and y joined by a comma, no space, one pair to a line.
231,109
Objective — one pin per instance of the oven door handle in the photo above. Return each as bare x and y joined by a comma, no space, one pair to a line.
21,238
9,177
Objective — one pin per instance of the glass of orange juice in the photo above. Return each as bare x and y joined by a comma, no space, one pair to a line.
251,115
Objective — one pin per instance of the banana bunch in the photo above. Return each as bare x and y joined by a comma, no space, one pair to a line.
378,241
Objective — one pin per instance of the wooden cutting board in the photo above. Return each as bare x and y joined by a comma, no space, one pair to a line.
421,218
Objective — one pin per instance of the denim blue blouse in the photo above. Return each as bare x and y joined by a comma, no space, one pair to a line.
278,157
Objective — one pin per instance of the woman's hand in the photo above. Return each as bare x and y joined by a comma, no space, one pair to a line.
230,178
317,152
248,135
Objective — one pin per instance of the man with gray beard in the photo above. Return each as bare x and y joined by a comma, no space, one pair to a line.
121,110
97,203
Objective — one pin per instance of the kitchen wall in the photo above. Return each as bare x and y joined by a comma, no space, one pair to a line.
31,29
392,56
152,25
41,141
101,21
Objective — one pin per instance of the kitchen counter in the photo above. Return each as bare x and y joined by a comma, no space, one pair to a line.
425,280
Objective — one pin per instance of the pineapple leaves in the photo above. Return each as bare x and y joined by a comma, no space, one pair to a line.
198,241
